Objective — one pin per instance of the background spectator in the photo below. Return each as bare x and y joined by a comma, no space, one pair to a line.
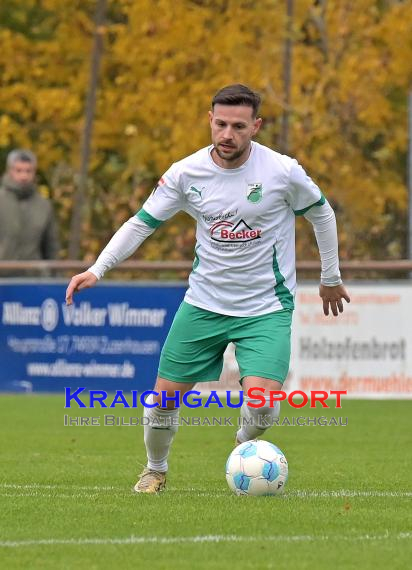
27,223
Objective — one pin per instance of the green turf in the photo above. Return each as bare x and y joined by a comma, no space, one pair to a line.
62,483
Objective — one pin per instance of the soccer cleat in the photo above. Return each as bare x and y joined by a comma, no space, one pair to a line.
150,481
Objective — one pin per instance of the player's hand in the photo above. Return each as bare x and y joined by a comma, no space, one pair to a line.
332,298
81,281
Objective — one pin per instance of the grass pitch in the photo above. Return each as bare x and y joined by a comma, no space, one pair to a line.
66,499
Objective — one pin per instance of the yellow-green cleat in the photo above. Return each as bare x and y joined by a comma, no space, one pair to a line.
150,481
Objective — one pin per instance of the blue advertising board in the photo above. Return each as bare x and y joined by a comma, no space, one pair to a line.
110,339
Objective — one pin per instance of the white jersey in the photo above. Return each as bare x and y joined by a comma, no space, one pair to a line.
245,251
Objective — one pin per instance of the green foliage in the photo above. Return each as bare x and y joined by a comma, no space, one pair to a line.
164,60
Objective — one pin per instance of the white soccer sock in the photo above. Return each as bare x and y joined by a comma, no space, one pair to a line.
255,421
158,434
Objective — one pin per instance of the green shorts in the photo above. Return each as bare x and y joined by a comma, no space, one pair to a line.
193,350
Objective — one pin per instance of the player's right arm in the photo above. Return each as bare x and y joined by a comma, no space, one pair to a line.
124,242
163,203
83,280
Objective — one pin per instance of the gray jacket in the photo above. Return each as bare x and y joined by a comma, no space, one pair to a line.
28,228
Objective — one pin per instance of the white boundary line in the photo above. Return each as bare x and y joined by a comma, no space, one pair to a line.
41,486
59,486
347,493
39,490
131,540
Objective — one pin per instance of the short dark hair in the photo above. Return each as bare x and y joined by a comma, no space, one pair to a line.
237,94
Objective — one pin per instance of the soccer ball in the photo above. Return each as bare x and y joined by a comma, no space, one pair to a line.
256,468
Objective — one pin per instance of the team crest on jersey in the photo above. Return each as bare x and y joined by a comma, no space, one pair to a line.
254,192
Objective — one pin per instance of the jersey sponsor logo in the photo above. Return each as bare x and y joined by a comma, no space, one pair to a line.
254,192
219,217
228,232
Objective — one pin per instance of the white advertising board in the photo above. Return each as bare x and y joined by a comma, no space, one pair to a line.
366,350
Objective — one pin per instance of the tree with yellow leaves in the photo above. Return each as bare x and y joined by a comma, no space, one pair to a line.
163,61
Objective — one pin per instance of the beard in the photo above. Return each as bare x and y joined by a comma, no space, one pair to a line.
234,155
22,190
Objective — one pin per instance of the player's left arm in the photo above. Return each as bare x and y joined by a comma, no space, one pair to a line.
306,199
332,297
331,289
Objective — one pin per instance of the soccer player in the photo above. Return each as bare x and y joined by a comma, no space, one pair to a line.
244,198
